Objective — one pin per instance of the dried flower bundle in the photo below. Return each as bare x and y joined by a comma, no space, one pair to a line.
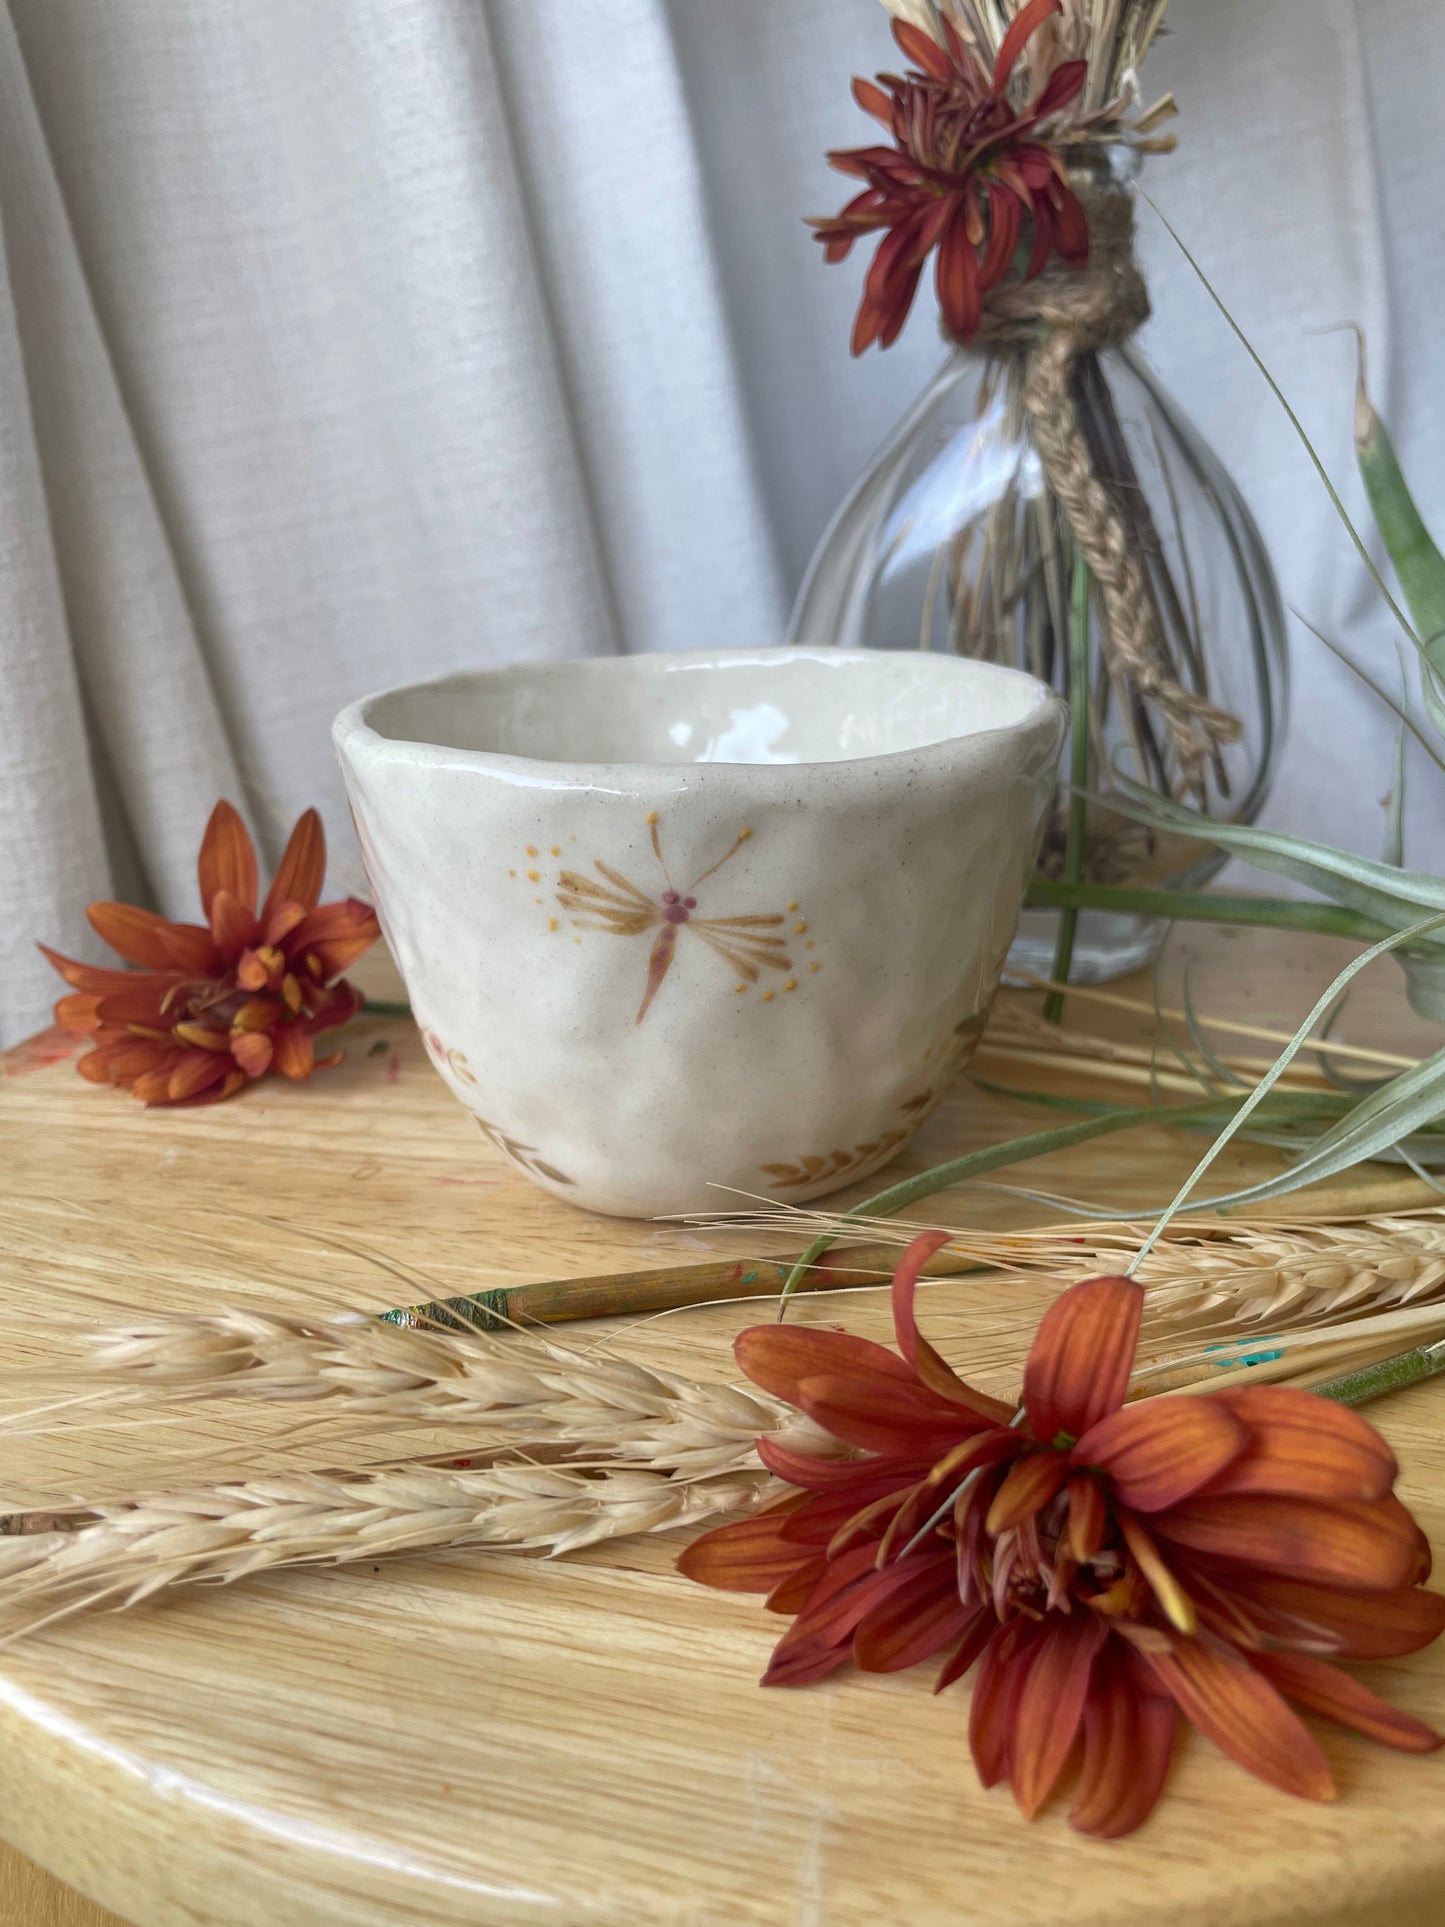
214,1006
1108,1568
969,172
1110,36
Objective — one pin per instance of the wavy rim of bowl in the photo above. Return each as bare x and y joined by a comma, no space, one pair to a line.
350,730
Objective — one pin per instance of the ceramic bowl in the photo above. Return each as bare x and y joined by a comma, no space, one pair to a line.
677,922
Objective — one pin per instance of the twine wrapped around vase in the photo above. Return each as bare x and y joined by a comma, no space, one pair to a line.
1050,322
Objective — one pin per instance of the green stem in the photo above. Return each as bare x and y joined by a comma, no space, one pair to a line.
1078,782
1017,1150
1388,1375
378,1007
1279,913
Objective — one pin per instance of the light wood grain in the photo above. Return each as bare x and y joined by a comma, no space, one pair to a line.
498,1740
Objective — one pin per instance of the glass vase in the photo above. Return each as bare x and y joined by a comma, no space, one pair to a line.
956,538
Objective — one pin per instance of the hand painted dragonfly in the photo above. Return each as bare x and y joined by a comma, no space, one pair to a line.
620,907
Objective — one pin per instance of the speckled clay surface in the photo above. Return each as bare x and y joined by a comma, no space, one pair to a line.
670,923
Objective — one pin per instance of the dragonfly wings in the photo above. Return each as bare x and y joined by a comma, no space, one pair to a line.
740,942
614,905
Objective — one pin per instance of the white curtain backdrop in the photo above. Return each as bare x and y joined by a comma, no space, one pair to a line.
347,341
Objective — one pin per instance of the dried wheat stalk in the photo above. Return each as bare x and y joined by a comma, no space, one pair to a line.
1295,1278
518,1391
228,1532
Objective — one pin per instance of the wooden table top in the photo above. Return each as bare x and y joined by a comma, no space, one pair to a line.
487,1738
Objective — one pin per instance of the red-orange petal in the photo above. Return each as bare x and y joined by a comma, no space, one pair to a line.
956,277
335,923
1021,30
141,937
252,1051
1351,1625
874,101
828,1475
93,978
850,1588
1128,1745
301,871
913,1623
197,1072
1051,1706
154,1086
923,50
1344,1542
227,861
1030,1484
250,971
1174,1599
934,1371
746,1557
790,1595
233,925
779,1357
145,1003
1303,1445
1159,1451
202,1036
1245,1717
997,1690
119,1059
79,1012
257,1013
1088,1516
966,1653
1321,1688
295,1053
881,1415
1082,1354
1063,85
280,921
232,1082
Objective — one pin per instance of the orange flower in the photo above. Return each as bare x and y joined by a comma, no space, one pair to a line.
1108,1566
966,172
214,1006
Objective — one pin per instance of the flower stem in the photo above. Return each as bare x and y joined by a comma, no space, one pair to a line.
1387,1375
1278,913
379,1007
1078,782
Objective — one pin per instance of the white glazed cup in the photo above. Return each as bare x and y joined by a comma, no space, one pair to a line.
677,922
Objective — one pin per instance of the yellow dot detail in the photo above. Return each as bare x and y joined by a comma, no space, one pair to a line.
791,984
652,816
799,927
534,876
511,873
743,835
815,966
792,906
576,940
742,990
531,849
556,849
809,944
767,997
551,923
536,899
